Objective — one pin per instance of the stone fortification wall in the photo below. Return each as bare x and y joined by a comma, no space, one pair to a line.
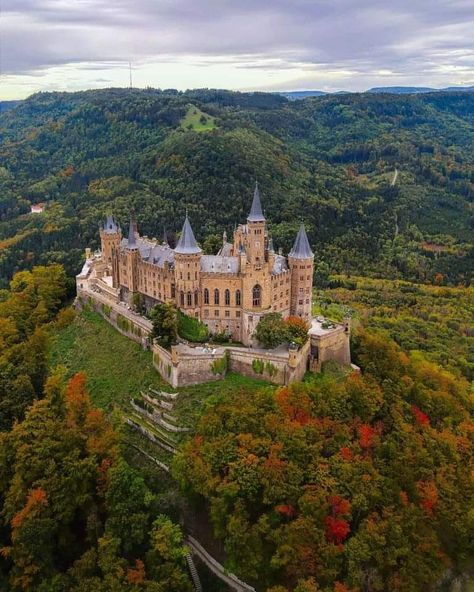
129,324
333,346
185,369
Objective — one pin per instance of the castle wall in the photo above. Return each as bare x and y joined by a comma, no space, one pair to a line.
185,369
186,365
333,346
134,327
277,367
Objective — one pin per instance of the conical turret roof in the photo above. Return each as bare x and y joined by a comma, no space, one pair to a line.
132,242
110,225
256,214
187,244
301,248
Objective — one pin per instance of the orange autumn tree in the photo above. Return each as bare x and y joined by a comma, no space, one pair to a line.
73,511
308,482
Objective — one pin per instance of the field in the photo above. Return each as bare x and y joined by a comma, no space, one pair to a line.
197,120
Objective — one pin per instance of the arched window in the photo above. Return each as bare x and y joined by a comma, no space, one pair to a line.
257,295
206,296
189,276
216,296
237,298
227,297
181,298
195,298
190,299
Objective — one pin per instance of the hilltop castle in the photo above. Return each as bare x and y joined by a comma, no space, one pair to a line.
229,292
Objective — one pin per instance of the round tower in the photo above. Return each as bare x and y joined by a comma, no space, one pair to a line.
110,237
187,261
301,264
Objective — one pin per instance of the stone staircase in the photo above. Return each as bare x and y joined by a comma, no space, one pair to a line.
151,415
194,573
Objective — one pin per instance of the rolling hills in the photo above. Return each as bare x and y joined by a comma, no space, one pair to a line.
329,160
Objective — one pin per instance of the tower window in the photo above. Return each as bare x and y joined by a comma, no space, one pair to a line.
206,296
195,298
237,298
257,295
181,298
216,296
189,299
227,297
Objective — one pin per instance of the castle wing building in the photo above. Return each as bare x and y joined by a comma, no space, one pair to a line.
229,291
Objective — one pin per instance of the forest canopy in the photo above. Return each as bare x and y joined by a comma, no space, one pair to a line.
329,160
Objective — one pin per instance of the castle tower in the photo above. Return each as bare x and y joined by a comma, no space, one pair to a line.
110,239
187,258
301,264
110,234
257,226
133,255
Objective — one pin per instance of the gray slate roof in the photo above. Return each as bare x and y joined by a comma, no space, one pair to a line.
219,264
256,214
132,243
280,265
110,226
158,255
301,248
187,244
226,250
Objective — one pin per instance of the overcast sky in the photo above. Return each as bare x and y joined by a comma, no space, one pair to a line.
240,44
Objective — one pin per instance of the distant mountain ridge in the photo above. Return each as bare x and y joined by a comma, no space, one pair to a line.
395,90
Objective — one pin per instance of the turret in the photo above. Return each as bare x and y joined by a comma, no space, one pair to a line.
187,258
110,239
301,264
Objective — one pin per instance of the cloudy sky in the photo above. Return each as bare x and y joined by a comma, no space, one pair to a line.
239,44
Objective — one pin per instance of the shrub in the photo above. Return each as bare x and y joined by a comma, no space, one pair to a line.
258,366
220,366
221,337
271,369
65,317
192,329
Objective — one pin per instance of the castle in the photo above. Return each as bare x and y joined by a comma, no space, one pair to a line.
229,292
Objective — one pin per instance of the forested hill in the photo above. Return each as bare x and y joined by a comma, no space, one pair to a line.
328,160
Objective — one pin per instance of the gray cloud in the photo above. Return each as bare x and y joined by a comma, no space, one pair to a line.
417,39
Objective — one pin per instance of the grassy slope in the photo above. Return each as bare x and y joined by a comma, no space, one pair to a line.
117,368
193,119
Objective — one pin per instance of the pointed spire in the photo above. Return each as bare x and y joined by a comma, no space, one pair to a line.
301,248
132,242
165,236
110,225
270,245
187,244
256,213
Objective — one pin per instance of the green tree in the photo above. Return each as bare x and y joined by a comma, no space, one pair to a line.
165,324
271,330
